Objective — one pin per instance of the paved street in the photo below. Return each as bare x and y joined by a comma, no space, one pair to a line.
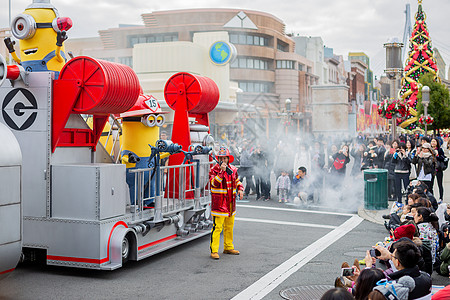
268,235
281,247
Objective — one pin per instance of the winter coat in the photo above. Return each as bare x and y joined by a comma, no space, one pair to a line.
422,280
427,163
402,163
318,161
367,161
261,164
357,155
445,259
426,260
339,163
430,238
388,165
379,159
245,159
283,182
223,191
440,157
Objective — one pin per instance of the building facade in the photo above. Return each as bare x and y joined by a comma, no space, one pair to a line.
265,73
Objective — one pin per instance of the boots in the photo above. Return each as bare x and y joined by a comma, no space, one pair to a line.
232,252
215,255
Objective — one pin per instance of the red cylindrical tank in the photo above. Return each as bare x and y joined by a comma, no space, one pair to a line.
202,93
106,87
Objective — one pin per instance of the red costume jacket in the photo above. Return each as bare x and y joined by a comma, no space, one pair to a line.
223,191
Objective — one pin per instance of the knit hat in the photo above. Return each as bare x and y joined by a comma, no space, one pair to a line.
399,290
405,231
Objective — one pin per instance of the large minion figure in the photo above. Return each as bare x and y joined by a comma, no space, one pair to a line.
41,33
140,127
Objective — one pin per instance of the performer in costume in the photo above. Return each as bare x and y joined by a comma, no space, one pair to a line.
224,186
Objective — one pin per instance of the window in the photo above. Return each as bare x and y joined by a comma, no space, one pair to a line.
235,64
111,59
244,39
300,67
282,46
242,63
126,60
155,38
255,86
250,63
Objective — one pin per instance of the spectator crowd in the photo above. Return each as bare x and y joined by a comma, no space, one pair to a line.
417,241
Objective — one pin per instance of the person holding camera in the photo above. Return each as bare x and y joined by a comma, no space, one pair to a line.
338,167
402,166
441,166
405,258
389,165
369,156
358,152
425,161
380,151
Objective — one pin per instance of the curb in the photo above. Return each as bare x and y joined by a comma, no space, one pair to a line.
374,216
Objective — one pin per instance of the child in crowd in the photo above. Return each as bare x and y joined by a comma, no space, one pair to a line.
283,186
406,214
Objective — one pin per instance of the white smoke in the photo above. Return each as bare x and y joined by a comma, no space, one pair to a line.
290,151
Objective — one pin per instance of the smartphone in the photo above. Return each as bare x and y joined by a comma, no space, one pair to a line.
375,252
347,272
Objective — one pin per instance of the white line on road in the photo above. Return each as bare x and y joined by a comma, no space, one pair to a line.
298,210
271,280
285,223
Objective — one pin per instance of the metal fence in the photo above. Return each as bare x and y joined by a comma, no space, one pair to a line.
174,189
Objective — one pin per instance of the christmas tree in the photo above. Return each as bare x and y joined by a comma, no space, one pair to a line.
420,61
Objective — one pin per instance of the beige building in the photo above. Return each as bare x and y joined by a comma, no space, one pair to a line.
4,32
254,86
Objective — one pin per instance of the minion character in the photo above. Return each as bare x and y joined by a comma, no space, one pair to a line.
140,127
41,33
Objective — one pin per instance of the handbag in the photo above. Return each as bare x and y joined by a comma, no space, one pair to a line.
413,173
442,165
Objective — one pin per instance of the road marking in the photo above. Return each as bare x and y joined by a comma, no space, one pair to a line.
298,210
285,223
271,280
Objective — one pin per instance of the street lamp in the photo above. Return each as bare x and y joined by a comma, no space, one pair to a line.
425,102
394,69
287,103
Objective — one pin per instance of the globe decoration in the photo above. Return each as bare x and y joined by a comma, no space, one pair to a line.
221,53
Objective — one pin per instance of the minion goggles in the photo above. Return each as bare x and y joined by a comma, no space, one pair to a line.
24,26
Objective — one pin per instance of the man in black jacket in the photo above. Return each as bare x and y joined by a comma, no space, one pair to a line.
405,258
380,150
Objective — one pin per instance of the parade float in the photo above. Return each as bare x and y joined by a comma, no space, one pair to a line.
71,204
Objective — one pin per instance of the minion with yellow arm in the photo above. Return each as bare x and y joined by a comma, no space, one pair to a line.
140,127
41,33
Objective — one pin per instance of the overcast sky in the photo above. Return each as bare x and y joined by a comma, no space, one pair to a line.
345,25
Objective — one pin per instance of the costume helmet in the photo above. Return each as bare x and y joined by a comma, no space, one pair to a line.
223,151
145,105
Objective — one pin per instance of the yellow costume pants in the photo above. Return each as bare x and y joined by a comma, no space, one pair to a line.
227,224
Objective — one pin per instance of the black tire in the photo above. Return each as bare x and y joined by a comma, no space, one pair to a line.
125,249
